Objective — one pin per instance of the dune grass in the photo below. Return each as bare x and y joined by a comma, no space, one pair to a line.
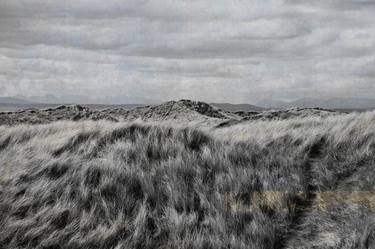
259,184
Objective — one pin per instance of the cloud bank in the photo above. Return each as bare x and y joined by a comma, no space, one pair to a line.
224,51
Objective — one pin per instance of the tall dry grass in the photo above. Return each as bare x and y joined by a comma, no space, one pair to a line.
252,185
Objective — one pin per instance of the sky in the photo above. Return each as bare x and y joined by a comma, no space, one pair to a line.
238,51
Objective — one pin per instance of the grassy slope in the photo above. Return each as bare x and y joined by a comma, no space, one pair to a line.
254,185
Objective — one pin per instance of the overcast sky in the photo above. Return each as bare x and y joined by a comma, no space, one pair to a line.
218,50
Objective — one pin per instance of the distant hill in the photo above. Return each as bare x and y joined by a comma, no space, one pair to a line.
66,99
83,100
238,107
309,102
262,105
271,103
330,103
14,101
354,103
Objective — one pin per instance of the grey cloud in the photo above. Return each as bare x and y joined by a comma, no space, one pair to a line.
147,9
336,5
235,51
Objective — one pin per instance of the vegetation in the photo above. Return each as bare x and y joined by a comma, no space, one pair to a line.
256,184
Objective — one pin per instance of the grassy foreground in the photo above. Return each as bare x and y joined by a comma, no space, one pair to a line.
299,183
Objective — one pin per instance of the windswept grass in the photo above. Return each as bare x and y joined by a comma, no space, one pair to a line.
253,185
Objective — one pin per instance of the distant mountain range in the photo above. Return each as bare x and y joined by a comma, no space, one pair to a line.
329,103
14,101
80,99
238,107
